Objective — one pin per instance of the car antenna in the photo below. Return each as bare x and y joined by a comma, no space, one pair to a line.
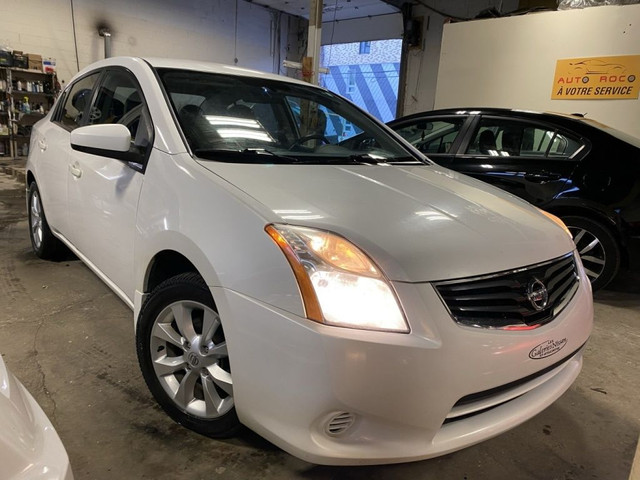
581,115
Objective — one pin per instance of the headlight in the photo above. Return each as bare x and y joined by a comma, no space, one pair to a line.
339,284
558,222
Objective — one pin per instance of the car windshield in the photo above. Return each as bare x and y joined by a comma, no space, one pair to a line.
254,120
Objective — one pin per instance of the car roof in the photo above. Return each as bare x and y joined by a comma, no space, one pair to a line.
212,67
543,116
579,123
195,65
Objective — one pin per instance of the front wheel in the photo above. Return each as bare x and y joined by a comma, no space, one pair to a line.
183,356
598,249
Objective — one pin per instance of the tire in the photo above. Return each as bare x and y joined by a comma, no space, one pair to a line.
44,244
183,356
598,249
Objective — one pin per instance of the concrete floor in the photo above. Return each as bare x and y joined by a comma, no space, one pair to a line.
70,341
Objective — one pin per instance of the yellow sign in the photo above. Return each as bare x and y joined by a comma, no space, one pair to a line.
597,78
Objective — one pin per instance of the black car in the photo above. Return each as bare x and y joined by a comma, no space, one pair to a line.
586,173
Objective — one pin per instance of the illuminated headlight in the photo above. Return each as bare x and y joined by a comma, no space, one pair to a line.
338,282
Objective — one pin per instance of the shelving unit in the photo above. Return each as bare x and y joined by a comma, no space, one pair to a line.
5,119
28,97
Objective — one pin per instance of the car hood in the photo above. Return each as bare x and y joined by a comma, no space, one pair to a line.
419,223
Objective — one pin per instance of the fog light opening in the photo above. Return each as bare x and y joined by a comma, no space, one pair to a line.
339,423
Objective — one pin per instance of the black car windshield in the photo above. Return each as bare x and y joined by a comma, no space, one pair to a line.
254,120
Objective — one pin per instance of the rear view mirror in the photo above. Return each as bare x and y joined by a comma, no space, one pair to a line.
424,126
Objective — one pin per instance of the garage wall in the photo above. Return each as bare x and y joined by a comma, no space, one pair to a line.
193,29
422,63
380,27
510,62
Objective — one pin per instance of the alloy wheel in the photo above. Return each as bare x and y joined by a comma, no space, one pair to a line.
36,220
591,251
190,359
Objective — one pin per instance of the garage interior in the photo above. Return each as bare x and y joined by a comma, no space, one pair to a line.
68,338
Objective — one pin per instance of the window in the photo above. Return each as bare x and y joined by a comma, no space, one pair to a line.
432,137
365,48
509,138
259,120
563,146
320,121
119,101
117,97
77,100
351,85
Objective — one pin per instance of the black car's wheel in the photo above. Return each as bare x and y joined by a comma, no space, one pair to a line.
598,249
183,356
44,244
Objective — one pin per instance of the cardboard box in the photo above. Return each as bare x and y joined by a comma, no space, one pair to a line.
35,61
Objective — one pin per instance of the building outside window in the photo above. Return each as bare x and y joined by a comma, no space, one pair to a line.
365,48
370,80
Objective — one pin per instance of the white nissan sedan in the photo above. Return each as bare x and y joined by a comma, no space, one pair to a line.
296,267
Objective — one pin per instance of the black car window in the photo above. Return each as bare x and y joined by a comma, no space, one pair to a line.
432,136
119,100
77,100
506,138
563,146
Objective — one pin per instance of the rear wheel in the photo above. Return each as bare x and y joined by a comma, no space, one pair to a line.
44,244
598,249
183,355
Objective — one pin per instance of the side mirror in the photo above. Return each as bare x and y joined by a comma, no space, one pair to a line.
108,140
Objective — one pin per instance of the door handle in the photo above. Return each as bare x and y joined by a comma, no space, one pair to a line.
541,177
42,144
75,171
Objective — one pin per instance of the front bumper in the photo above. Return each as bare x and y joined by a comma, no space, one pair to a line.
295,380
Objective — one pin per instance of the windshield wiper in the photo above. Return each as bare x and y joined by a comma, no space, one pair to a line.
262,155
269,153
367,159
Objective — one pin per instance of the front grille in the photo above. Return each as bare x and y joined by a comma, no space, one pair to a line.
513,300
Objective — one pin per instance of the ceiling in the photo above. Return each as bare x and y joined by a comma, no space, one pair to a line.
333,9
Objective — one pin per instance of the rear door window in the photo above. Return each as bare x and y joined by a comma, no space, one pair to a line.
513,138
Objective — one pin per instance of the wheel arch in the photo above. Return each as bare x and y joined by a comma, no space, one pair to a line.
164,265
30,177
164,256
607,220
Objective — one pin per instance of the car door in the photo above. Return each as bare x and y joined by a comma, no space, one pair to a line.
436,137
50,151
103,191
530,159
